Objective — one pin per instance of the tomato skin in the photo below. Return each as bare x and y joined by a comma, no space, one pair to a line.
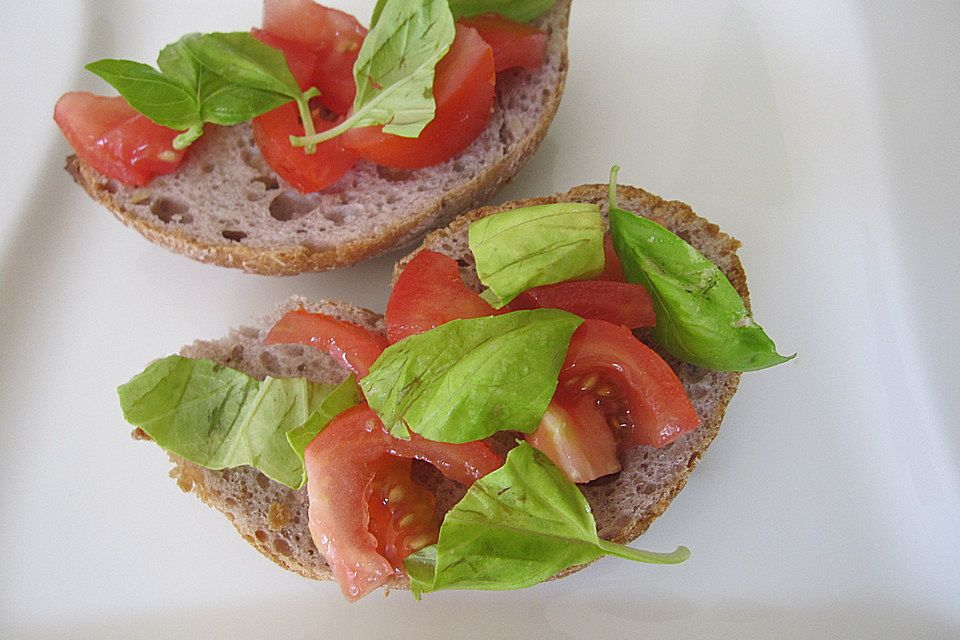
353,346
333,36
306,172
428,293
621,303
513,44
612,269
575,435
341,463
464,93
116,140
659,408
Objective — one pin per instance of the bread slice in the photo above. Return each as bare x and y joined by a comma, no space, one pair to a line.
225,205
274,518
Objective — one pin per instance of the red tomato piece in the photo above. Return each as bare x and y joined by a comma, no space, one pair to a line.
464,91
116,140
429,293
402,512
301,59
575,435
621,303
333,36
659,410
513,44
307,172
342,463
612,269
352,345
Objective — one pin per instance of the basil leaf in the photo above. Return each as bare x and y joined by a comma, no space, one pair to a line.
516,10
377,10
150,92
241,59
395,68
221,78
701,319
218,417
220,100
346,395
516,527
532,246
468,379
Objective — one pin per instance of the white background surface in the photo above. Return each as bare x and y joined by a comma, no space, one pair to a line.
824,135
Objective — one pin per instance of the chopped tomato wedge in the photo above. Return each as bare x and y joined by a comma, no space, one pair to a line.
428,293
342,464
306,172
334,37
513,44
657,408
464,91
353,346
116,140
575,435
612,269
301,59
402,512
617,302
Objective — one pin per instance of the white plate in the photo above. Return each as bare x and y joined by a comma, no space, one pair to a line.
824,135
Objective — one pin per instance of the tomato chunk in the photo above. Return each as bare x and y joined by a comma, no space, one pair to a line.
513,44
659,410
306,172
116,140
334,38
612,269
429,293
342,464
301,59
621,303
402,512
575,435
463,90
353,346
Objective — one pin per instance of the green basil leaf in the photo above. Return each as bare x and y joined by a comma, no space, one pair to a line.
150,92
241,59
377,10
395,69
468,379
218,417
516,10
516,527
220,101
346,395
532,246
701,319
222,78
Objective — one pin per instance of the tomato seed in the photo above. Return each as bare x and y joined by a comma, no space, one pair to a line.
589,381
419,542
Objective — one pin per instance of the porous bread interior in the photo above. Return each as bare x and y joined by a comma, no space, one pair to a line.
226,206
274,518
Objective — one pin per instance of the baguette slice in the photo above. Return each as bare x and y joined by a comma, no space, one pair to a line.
274,518
226,206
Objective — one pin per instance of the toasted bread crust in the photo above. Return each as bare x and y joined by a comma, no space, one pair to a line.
624,505
291,258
